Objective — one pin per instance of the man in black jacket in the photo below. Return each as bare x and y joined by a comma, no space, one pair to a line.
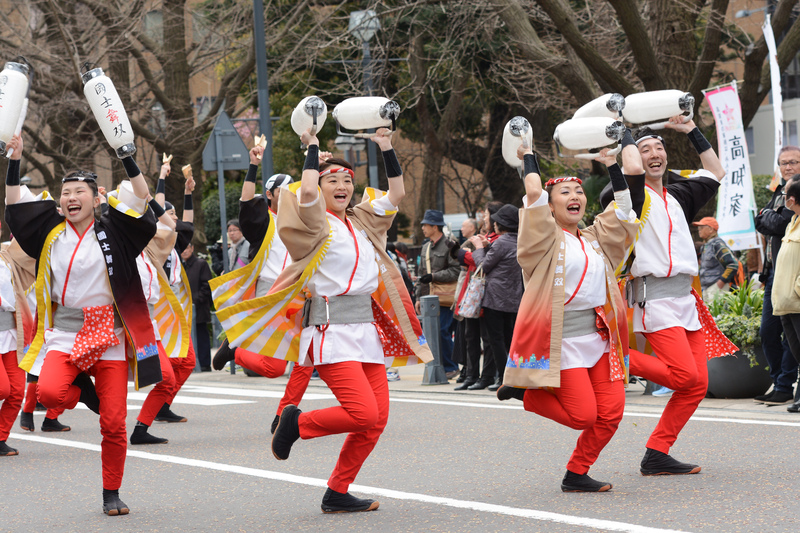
772,222
198,273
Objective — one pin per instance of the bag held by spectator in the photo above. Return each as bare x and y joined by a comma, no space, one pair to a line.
470,305
445,291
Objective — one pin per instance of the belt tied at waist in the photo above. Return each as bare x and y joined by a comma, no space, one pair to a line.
7,320
578,323
652,288
94,328
322,311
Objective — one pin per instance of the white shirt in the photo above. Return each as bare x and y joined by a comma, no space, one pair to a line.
349,267
665,249
152,291
277,260
8,338
78,280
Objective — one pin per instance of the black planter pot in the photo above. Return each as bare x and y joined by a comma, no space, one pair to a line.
733,377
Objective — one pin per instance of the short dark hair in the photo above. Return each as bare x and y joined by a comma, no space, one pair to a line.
793,188
643,132
494,206
401,247
788,148
234,222
91,183
334,162
506,229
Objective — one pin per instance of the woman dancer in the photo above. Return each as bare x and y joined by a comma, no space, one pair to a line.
87,276
571,330
351,332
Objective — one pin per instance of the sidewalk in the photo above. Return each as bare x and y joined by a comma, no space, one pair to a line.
410,385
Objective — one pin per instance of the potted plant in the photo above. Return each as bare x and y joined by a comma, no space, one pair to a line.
746,373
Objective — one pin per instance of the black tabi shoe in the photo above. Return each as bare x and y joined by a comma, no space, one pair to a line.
224,355
794,408
779,398
287,432
141,436
26,421
506,393
88,393
573,482
166,415
495,386
52,424
656,463
764,397
112,505
336,502
6,450
465,385
274,424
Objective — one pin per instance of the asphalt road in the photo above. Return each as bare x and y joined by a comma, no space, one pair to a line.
448,461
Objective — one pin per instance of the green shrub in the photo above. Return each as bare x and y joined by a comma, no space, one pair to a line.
738,316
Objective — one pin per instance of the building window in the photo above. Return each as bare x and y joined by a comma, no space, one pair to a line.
790,133
750,139
153,26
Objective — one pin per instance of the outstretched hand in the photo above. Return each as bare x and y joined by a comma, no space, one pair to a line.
15,144
383,138
676,124
605,158
523,149
308,138
256,152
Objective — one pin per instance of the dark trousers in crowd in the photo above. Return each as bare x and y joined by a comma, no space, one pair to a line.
203,346
500,328
791,331
474,330
446,342
782,364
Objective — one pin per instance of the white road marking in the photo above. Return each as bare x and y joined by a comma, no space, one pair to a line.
190,400
544,516
249,393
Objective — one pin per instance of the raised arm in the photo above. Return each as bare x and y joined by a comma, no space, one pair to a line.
394,173
12,174
309,182
533,180
188,189
161,185
708,157
249,186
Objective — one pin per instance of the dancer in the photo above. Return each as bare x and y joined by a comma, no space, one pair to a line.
87,267
268,257
571,331
359,319
182,367
50,422
670,314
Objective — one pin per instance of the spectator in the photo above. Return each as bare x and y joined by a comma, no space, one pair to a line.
503,284
399,252
238,247
443,269
198,273
487,226
217,261
472,330
771,222
718,266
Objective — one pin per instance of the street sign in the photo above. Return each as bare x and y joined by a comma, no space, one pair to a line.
233,154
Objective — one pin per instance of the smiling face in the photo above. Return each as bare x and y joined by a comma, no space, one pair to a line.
78,201
654,158
337,189
705,232
567,203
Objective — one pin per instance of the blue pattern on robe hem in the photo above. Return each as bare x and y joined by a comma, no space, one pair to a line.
532,363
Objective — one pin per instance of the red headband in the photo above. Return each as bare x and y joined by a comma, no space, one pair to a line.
562,180
336,170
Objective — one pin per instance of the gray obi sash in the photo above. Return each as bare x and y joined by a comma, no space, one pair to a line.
345,309
71,319
7,321
652,288
578,323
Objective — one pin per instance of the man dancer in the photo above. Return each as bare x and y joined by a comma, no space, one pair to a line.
666,309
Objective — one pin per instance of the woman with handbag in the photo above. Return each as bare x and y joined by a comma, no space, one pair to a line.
569,343
503,289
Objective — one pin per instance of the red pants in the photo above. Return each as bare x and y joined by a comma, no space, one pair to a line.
296,387
269,367
679,362
111,381
587,400
182,368
12,390
161,393
363,392
30,402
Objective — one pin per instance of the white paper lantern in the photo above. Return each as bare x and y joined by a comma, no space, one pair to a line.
14,83
109,112
517,131
303,114
366,112
655,108
609,105
590,133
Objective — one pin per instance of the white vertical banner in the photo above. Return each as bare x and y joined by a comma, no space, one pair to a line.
735,196
777,96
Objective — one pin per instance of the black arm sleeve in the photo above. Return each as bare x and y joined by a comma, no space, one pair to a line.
185,231
254,220
31,222
693,194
